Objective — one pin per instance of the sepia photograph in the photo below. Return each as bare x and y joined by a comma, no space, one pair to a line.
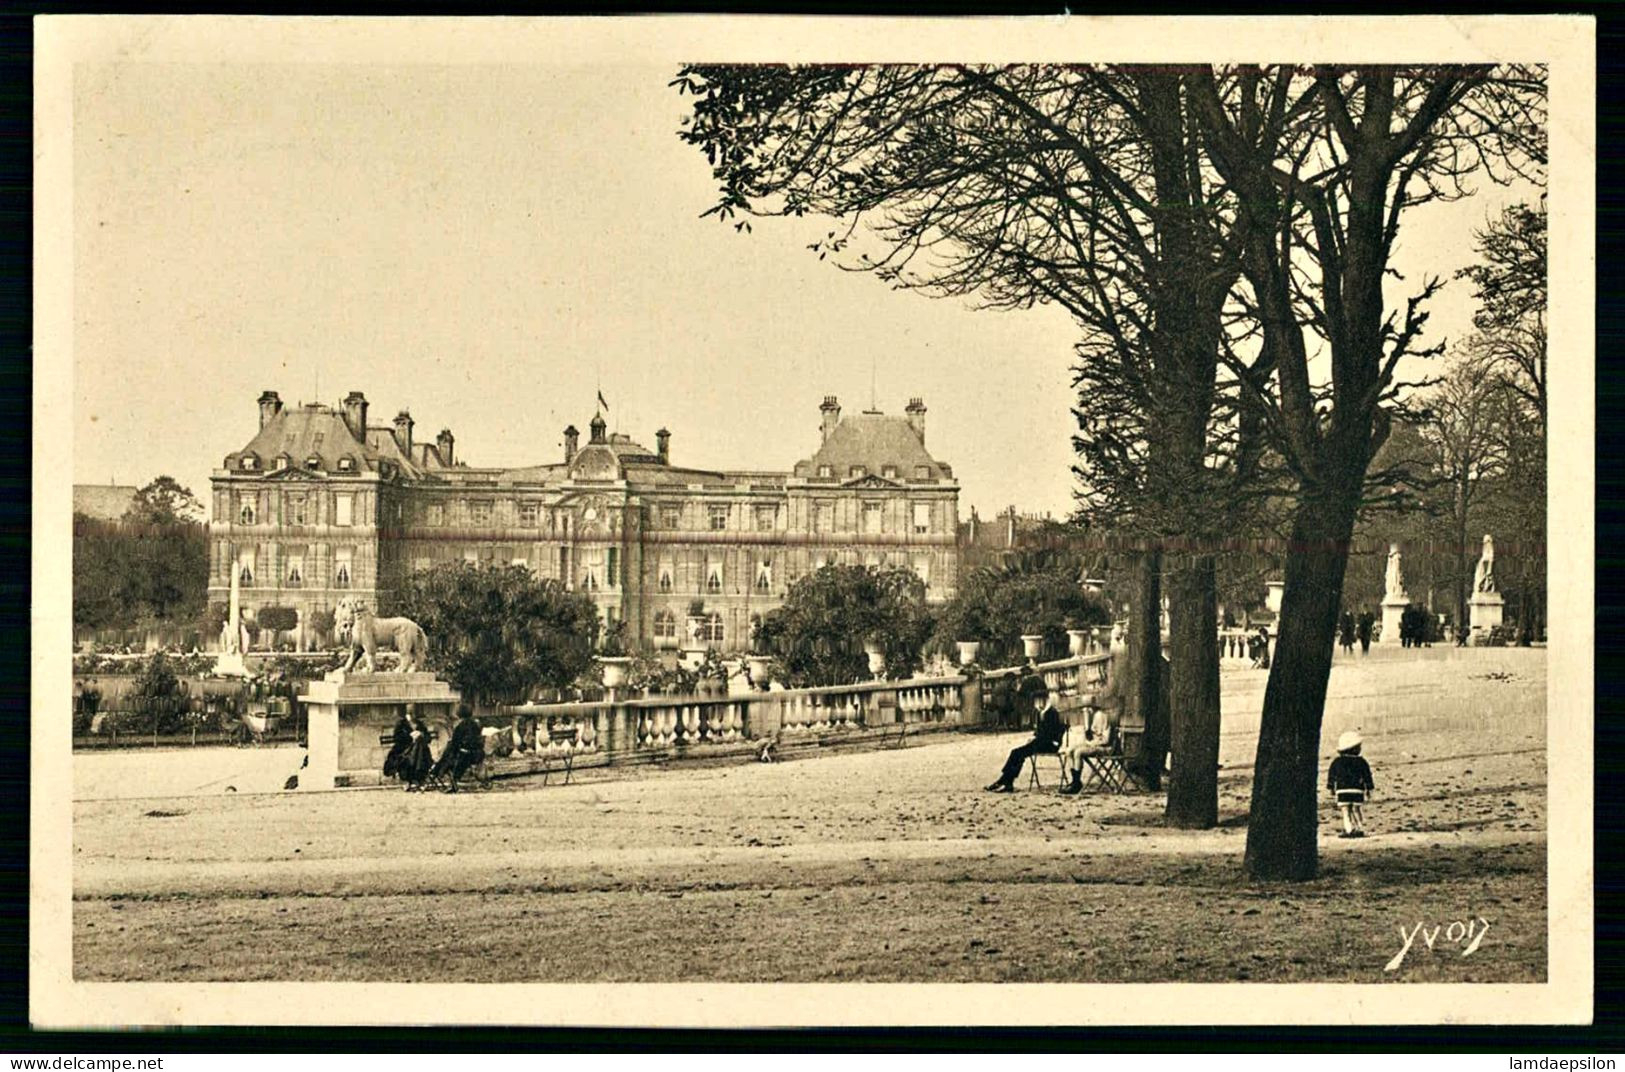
624,507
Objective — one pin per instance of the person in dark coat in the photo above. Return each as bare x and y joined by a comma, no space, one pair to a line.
1349,780
417,761
1263,647
1046,741
465,749
1364,631
400,742
1345,632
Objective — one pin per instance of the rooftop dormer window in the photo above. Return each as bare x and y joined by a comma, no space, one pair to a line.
280,463
346,464
248,462
922,472
313,462
857,471
889,472
826,471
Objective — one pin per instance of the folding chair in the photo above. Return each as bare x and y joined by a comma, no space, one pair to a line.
1033,781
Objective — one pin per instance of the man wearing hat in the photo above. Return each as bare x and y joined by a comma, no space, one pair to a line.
1349,779
1046,741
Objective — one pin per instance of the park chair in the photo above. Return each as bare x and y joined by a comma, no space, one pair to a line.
1033,780
1103,767
570,734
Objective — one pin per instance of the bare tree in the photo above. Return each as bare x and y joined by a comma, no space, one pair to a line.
1326,162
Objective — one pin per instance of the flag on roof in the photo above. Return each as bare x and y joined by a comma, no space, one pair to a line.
601,401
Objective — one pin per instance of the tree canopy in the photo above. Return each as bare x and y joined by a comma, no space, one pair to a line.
498,633
829,615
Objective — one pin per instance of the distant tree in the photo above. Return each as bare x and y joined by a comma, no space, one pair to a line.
321,624
1511,288
996,606
164,501
133,573
498,633
278,620
827,617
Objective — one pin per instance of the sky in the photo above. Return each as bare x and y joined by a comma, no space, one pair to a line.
490,246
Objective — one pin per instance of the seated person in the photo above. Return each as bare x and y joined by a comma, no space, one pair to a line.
1097,735
1046,740
465,749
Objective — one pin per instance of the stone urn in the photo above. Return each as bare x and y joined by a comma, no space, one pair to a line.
614,668
968,650
759,667
1032,644
877,657
1077,641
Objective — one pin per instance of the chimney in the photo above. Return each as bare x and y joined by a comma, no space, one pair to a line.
571,438
270,406
403,432
445,441
831,410
355,414
663,446
916,417
598,427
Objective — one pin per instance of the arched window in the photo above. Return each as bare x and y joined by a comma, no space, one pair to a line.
249,461
764,575
665,577
665,624
245,516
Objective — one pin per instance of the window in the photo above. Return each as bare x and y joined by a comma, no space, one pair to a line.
313,462
479,511
713,577
764,575
826,471
346,464
613,574
889,472
434,514
665,625
293,510
246,514
711,630
245,566
922,568
922,517
719,518
824,517
294,574
344,509
671,517
527,515
665,577
857,471
871,517
589,579
281,462
922,472
341,567
766,518
249,461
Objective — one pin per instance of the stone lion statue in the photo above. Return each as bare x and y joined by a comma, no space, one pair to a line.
355,626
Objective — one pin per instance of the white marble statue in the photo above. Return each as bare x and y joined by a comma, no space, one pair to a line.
1484,576
1394,580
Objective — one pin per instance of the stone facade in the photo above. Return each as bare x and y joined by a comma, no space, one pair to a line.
321,505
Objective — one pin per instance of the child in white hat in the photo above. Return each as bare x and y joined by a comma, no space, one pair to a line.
1349,779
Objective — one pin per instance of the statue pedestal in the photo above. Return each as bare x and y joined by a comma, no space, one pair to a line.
1393,607
348,713
230,664
1484,612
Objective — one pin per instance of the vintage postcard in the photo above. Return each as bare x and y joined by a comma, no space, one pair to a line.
658,521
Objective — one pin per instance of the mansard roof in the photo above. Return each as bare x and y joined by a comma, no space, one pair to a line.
310,431
873,440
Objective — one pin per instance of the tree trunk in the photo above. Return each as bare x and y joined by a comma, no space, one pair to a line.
1142,676
1282,830
1193,786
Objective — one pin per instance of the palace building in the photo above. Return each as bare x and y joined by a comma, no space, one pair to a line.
321,504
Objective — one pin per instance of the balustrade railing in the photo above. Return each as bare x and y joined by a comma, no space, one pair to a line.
664,725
